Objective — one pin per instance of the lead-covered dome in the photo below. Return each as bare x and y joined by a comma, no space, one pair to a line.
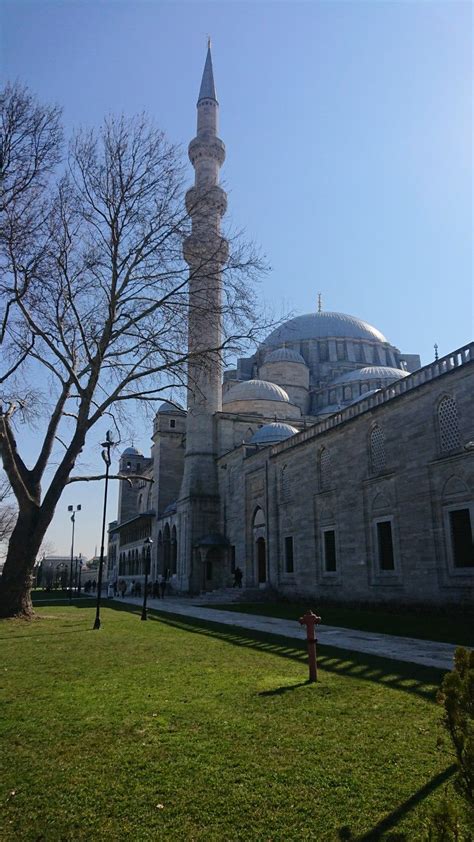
372,372
166,406
323,325
255,390
273,433
284,355
132,451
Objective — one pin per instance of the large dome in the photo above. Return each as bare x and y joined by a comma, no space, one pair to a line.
323,325
255,390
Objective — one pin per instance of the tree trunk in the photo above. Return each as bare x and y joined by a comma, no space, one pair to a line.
16,579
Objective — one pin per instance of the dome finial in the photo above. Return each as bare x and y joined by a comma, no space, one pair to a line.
436,350
208,42
320,302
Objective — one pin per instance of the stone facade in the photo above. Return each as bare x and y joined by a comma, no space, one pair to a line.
364,489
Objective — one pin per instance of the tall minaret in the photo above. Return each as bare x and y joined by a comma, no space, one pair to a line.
205,252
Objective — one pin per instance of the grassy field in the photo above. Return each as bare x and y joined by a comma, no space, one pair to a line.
179,730
453,627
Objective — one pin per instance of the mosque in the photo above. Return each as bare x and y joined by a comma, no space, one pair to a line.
329,464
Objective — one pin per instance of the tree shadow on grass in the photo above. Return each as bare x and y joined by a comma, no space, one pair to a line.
385,825
423,681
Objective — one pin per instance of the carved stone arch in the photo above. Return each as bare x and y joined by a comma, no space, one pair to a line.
455,487
382,502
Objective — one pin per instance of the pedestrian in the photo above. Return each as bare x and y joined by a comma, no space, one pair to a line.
237,578
110,591
122,587
162,585
156,589
94,586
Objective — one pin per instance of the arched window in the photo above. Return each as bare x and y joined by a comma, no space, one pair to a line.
258,518
325,472
449,437
377,448
347,393
166,548
174,550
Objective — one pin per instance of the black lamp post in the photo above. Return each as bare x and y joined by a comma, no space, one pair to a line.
79,571
73,521
106,445
147,550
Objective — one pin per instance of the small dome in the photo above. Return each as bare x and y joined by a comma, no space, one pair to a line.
371,372
286,355
322,326
131,451
166,406
273,433
255,390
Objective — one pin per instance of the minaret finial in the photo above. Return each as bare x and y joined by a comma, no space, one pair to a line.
436,350
208,89
320,302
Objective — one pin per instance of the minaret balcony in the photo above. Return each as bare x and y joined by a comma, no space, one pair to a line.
212,149
204,201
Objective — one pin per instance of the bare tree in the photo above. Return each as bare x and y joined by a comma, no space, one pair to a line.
7,511
95,300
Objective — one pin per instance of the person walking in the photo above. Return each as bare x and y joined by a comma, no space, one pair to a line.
238,575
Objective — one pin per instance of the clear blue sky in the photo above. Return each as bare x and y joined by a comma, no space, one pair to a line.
348,128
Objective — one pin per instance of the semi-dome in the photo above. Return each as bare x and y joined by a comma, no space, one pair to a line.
255,390
166,406
273,433
287,355
370,372
323,326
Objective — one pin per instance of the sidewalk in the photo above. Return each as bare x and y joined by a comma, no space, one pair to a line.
425,652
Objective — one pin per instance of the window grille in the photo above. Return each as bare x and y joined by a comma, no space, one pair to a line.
329,546
461,537
385,545
448,424
324,469
289,559
284,485
377,448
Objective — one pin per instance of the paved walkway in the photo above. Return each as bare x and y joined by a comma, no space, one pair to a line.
425,652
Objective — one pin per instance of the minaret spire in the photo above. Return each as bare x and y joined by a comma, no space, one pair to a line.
205,252
208,88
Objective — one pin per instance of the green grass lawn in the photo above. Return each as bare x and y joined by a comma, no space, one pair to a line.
175,729
454,627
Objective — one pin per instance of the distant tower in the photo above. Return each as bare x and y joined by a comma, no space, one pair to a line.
205,251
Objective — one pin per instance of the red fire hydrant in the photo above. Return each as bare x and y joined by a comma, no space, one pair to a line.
311,620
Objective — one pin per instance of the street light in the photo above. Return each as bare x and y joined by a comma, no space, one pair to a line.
106,445
77,573
147,550
73,521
